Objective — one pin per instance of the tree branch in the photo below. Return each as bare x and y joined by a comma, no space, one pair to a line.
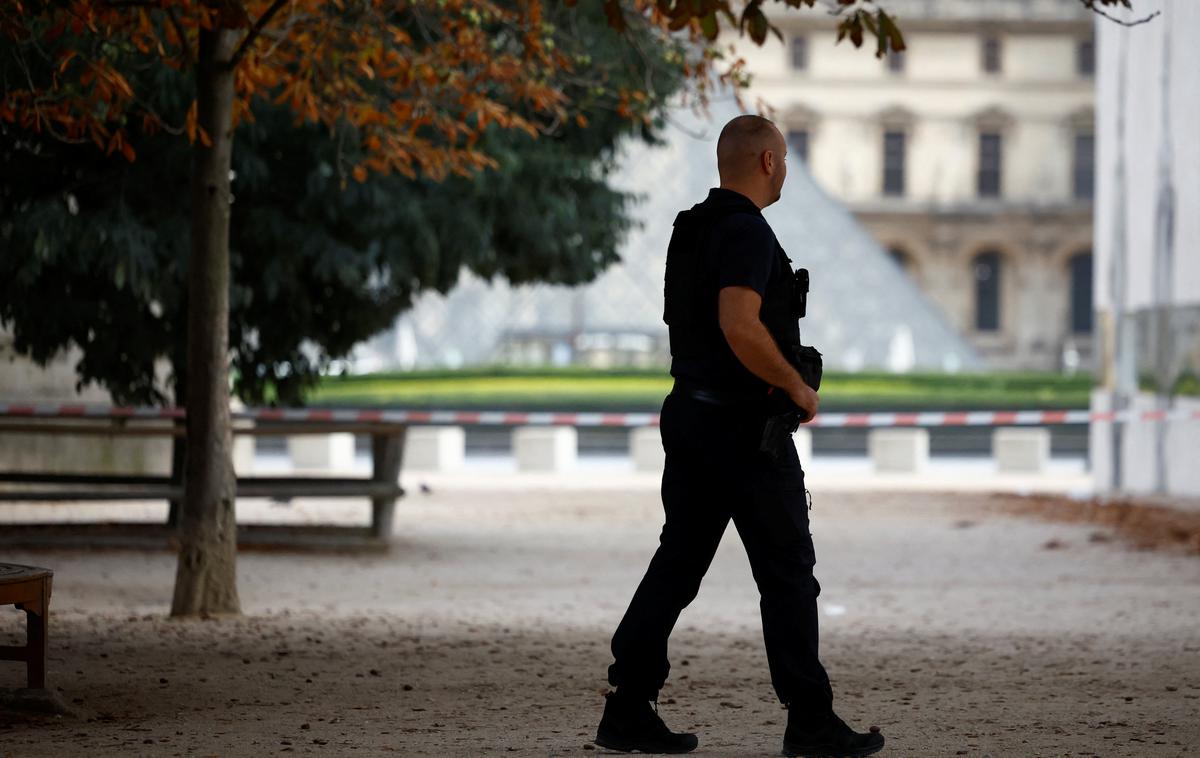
1091,5
255,30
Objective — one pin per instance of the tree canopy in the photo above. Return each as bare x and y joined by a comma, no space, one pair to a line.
98,246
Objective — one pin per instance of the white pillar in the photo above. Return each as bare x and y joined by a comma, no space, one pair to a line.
322,452
802,438
645,447
1139,447
899,450
243,444
1183,440
545,448
243,454
1021,449
434,448
1100,443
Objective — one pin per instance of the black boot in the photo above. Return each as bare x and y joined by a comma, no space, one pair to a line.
828,737
630,723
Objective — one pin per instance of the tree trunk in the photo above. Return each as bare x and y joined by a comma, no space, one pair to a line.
206,578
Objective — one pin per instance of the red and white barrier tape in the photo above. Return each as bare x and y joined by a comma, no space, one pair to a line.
511,418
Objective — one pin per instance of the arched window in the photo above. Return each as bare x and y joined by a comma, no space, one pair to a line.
800,53
1080,269
1085,57
991,164
992,51
986,270
900,256
1084,165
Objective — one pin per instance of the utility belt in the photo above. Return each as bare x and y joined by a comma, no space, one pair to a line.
725,398
783,417
806,360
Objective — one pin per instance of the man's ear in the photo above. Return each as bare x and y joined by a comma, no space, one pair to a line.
768,162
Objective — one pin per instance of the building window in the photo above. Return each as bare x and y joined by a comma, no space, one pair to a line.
799,53
986,269
1084,170
990,164
900,257
1080,267
1085,57
895,61
991,54
893,163
798,141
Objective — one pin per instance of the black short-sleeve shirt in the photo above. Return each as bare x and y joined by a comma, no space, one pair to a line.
744,248
744,252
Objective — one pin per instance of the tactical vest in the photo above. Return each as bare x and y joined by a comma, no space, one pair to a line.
690,291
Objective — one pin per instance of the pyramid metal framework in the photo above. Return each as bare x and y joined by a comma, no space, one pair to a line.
864,312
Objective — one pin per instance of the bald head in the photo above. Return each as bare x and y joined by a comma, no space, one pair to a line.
750,158
742,143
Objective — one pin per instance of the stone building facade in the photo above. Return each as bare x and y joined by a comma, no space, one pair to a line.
969,157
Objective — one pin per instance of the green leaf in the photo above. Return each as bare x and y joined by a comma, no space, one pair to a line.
755,21
870,23
856,31
889,28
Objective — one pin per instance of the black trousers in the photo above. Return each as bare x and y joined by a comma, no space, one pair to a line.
715,473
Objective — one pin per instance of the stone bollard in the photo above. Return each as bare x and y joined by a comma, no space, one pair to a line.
322,452
545,448
244,445
243,454
802,439
899,450
1021,449
1183,440
434,448
645,447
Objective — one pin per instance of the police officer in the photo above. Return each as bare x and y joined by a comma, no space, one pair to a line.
728,310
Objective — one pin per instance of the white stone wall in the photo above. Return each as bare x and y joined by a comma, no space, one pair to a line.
1147,233
1126,217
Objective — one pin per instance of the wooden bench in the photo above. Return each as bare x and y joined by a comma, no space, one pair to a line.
382,487
28,588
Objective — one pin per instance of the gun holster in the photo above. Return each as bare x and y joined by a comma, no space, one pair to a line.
784,416
807,362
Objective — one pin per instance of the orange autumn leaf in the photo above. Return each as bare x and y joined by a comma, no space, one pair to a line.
420,101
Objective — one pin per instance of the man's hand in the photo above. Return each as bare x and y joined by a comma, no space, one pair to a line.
805,397
737,309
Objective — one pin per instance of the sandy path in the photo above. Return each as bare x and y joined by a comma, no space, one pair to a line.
950,626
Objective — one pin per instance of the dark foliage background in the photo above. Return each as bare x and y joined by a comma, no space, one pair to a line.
94,249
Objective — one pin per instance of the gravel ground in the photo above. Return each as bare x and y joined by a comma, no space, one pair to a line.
955,627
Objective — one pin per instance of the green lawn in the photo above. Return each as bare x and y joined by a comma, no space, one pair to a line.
585,389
